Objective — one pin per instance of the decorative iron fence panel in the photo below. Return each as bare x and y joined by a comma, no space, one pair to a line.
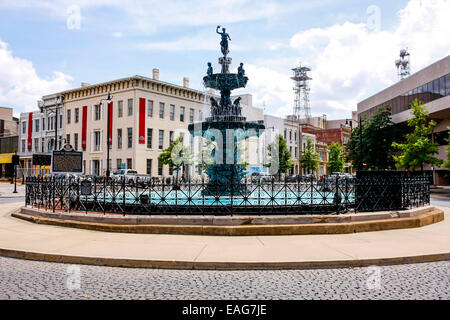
369,191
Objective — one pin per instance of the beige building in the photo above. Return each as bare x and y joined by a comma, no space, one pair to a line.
430,85
147,114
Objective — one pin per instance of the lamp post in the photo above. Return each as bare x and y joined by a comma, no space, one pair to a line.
58,103
108,137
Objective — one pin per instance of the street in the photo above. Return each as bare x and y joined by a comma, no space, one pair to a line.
21,279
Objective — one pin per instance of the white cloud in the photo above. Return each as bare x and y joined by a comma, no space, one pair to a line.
20,85
350,63
117,34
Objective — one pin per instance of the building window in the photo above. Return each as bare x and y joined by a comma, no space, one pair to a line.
60,121
149,138
118,164
130,107
36,125
42,145
191,115
75,141
161,139
182,114
68,138
130,137
149,166
447,85
160,169
170,136
36,144
119,138
129,163
120,109
23,145
172,112
161,110
149,108
69,116
77,115
97,141
24,127
97,112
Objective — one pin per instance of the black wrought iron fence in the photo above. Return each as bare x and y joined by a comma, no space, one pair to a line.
367,192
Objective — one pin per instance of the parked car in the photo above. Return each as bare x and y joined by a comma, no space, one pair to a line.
309,178
260,177
294,178
131,176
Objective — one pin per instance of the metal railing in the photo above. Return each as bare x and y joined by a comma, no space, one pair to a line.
374,191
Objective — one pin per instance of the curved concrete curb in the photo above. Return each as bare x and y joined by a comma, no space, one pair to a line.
194,265
434,215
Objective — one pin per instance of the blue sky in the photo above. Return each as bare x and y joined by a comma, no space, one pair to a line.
350,45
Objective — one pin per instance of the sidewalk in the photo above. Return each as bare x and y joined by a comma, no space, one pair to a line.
6,190
23,239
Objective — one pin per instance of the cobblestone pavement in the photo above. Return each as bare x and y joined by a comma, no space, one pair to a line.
22,279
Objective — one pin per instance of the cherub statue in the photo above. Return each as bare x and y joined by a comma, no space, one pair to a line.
210,70
237,106
214,107
241,71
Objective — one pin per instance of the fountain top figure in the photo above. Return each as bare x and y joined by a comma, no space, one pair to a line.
224,41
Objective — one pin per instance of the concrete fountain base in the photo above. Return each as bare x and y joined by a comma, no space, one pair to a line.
237,225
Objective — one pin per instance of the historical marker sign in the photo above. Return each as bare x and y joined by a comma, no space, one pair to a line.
67,160
86,188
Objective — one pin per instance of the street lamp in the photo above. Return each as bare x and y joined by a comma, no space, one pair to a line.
58,103
108,124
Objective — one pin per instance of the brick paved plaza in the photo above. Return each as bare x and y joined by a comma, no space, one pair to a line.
21,279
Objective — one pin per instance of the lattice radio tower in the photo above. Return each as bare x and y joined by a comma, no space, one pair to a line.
403,65
302,110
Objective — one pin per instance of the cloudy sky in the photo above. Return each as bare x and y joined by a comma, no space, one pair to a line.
351,45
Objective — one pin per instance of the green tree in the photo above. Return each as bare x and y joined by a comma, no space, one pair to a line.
310,158
371,142
419,147
176,155
336,161
205,157
447,162
279,156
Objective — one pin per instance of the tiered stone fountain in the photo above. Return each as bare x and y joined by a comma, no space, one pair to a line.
226,123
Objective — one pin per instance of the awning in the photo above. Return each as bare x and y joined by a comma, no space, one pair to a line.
6,157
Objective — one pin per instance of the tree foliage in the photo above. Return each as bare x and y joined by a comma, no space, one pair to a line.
176,155
310,158
371,142
447,162
419,148
279,156
336,161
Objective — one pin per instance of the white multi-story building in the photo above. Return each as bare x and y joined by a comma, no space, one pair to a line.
147,114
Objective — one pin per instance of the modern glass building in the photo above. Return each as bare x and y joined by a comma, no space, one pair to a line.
430,85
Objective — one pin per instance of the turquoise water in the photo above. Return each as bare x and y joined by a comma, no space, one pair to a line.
196,198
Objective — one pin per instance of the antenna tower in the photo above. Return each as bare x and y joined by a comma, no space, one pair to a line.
403,65
302,109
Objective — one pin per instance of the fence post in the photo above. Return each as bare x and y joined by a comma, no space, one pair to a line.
53,193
